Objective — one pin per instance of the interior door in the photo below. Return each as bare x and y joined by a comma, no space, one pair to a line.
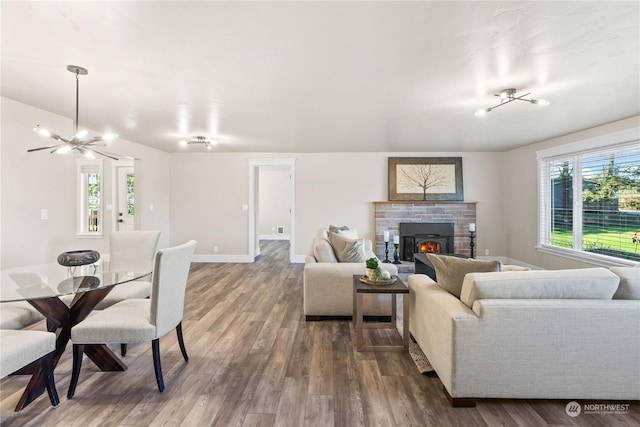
126,198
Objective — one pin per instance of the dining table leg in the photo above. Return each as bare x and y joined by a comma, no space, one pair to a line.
65,317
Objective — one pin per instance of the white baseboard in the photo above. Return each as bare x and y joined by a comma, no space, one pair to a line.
274,237
222,258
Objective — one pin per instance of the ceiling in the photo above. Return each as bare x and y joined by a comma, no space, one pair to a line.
326,76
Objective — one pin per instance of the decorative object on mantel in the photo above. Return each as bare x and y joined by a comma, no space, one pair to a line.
509,95
425,178
472,236
386,247
204,140
73,259
79,141
396,253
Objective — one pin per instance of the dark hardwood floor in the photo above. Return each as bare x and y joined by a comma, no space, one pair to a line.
255,361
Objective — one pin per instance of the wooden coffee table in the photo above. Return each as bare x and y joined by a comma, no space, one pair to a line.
359,289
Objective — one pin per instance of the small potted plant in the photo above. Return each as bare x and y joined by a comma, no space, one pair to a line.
373,269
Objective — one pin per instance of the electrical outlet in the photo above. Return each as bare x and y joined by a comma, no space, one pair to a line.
486,252
44,213
215,249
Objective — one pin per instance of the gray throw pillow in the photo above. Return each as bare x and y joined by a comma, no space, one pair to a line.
335,229
450,270
347,250
322,250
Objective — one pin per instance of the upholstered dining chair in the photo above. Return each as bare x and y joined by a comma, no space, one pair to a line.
130,251
20,348
141,320
18,315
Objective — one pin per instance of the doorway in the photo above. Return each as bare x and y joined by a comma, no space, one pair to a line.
123,196
288,228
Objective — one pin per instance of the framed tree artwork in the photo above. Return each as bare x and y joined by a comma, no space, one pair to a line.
425,178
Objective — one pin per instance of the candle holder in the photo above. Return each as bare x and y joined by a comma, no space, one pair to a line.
396,254
472,244
386,252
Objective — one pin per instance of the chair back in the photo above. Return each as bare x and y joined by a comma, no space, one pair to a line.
132,250
170,275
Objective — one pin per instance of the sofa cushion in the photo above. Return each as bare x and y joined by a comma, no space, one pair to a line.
322,250
629,287
347,250
450,270
585,283
351,233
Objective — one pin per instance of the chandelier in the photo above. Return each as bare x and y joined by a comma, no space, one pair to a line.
80,141
209,143
509,95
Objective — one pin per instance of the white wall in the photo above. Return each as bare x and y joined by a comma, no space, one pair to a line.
34,181
209,189
521,198
274,200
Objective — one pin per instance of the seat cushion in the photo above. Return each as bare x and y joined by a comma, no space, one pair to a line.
19,348
18,315
124,322
136,289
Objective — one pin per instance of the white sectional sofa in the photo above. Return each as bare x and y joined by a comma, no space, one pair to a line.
328,283
564,334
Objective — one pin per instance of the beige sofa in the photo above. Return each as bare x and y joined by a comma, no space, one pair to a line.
328,286
564,334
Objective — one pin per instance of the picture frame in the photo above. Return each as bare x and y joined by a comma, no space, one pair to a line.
425,178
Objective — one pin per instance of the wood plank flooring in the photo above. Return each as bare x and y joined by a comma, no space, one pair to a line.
255,361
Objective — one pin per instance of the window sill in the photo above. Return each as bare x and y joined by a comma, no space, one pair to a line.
599,260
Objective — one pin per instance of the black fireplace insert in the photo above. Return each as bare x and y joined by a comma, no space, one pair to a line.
426,237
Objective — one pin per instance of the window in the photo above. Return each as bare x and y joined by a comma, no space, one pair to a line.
90,221
589,200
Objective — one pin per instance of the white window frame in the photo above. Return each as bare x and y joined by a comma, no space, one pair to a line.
82,165
629,138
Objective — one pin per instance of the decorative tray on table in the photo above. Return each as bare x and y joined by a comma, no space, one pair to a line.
381,282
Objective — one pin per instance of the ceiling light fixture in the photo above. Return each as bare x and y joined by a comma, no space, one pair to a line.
509,95
79,141
209,143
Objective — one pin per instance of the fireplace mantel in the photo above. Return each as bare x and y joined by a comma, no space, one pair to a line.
389,215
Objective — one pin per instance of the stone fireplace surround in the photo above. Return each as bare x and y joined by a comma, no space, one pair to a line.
389,215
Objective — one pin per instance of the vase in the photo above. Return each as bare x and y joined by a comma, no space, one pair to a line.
372,274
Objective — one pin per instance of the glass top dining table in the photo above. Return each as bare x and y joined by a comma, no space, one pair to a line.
34,282
42,286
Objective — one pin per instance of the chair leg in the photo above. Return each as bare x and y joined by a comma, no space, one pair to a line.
181,342
155,346
78,350
123,349
47,376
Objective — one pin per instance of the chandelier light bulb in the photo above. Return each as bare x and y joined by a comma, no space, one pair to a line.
89,155
64,149
41,131
542,102
183,143
81,134
482,112
208,146
109,136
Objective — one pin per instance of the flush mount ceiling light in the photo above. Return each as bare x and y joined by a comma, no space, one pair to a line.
509,95
80,141
209,143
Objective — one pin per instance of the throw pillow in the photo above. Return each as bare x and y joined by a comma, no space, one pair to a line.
335,229
351,233
322,250
347,250
450,270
